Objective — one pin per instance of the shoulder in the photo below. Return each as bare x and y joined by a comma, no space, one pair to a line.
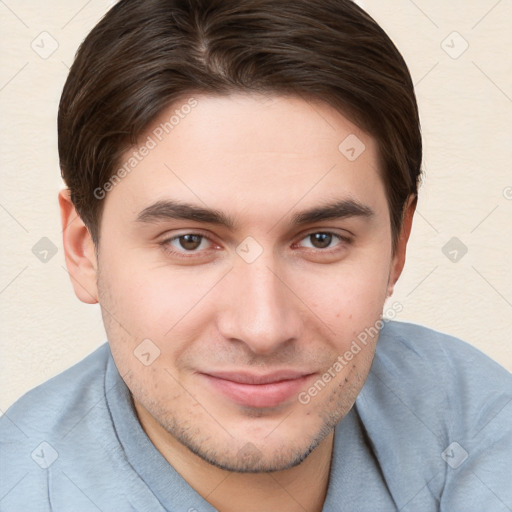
441,377
54,403
424,357
60,448
439,411
417,343
38,432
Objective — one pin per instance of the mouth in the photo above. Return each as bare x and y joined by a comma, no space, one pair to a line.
258,390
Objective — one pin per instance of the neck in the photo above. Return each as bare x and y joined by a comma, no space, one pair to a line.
303,487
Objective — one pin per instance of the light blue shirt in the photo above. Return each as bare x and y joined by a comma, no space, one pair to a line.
431,430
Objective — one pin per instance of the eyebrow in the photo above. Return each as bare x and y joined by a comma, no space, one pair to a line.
337,210
167,210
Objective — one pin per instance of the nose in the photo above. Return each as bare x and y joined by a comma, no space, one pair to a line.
260,308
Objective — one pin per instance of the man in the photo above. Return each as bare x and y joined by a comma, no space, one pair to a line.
242,178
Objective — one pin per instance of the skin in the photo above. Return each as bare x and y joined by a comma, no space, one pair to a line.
297,306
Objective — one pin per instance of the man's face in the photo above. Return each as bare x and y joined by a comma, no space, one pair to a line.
243,319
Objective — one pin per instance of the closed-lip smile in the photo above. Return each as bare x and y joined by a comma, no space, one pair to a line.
258,389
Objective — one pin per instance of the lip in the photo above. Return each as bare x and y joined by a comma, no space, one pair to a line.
258,390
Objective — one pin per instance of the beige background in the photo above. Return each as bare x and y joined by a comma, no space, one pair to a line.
466,104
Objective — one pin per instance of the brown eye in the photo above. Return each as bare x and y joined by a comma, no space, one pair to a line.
320,240
190,242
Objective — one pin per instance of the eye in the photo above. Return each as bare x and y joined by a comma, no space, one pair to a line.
189,242
324,240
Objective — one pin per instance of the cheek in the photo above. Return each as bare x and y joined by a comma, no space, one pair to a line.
348,297
169,307
151,301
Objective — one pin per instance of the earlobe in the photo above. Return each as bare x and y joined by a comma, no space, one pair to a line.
398,261
79,251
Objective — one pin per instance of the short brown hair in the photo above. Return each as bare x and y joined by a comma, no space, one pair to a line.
145,55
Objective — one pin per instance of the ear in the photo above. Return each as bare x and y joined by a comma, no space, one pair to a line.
79,251
398,261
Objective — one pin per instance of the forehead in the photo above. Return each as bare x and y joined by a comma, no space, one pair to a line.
250,155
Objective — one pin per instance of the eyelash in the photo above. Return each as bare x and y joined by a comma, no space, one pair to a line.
188,254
